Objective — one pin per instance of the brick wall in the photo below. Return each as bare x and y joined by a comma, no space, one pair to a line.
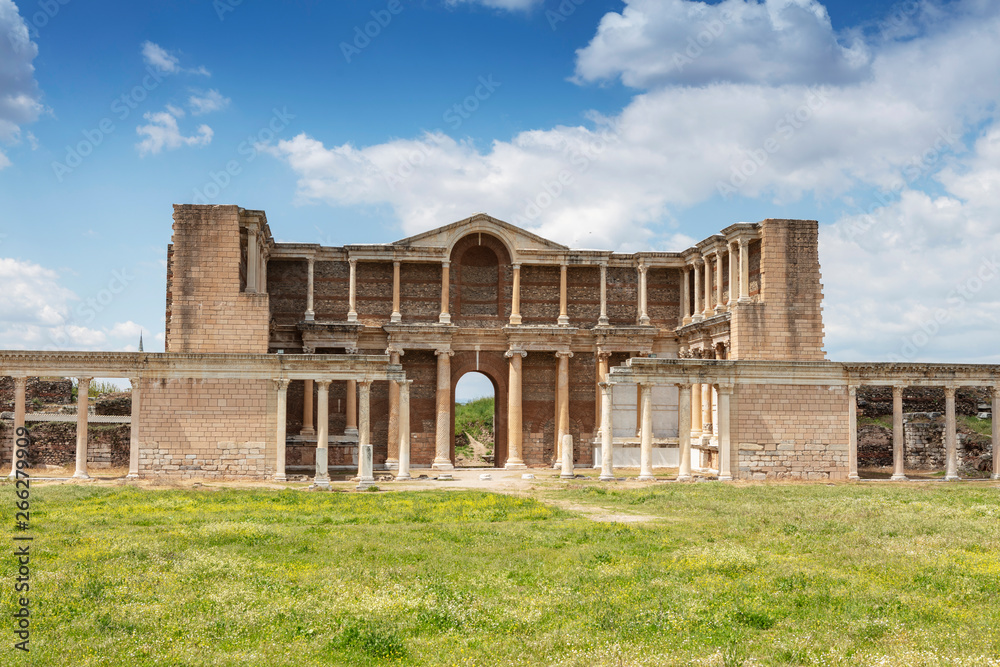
46,390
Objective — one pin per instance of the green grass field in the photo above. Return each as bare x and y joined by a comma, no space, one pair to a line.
721,575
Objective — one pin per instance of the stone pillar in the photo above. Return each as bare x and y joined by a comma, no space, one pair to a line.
602,320
567,458
253,258
133,447
685,315
351,406
310,313
607,442
445,317
20,390
82,398
713,410
562,399
279,439
307,409
442,442
706,410
732,275
898,473
709,310
951,438
365,454
852,433
515,297
697,316
602,376
563,314
725,433
322,478
404,430
515,457
392,455
744,271
720,307
995,415
696,410
646,434
352,296
643,302
686,409
395,316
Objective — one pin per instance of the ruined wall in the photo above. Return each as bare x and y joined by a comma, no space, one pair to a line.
45,390
791,431
207,309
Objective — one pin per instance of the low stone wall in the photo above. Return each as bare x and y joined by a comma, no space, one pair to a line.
924,446
54,443
117,404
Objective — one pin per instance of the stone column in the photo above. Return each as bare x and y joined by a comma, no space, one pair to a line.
515,457
563,314
607,442
279,438
697,316
686,408
562,400
643,315
732,275
602,376
706,410
352,296
365,454
442,442
445,317
392,455
709,310
20,390
744,271
322,478
898,472
995,415
951,438
515,297
404,430
685,316
133,446
395,316
646,434
696,410
602,320
725,433
720,307
852,433
310,313
351,406
567,458
307,409
253,258
82,398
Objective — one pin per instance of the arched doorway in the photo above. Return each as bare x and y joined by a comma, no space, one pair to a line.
474,421
491,370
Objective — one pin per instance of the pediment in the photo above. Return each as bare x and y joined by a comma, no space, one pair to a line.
513,236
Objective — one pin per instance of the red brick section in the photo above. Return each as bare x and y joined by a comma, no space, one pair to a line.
331,290
373,294
663,297
583,292
420,291
623,295
285,282
539,294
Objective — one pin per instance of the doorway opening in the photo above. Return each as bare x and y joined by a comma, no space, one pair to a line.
475,421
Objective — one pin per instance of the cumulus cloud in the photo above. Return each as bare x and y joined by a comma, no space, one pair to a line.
207,102
162,132
159,58
20,97
659,42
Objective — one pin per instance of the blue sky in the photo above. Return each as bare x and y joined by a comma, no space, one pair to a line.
673,118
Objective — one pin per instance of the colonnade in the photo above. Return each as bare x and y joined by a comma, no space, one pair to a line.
703,278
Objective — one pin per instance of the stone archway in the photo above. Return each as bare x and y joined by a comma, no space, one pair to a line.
481,279
494,366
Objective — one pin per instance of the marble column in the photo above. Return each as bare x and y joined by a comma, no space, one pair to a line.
744,271
951,437
602,376
442,441
322,478
352,296
445,316
562,400
709,310
307,409
133,445
404,430
310,313
20,391
563,320
607,442
898,471
725,392
82,399
515,434
852,433
365,454
253,258
720,307
685,410
706,410
995,418
515,297
697,316
685,315
351,407
603,320
395,316
643,300
732,275
696,424
646,434
392,455
281,419
567,458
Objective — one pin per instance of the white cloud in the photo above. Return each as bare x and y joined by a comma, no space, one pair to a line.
158,57
20,97
658,42
162,132
32,294
509,5
207,102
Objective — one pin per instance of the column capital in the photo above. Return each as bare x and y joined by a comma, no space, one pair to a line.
697,262
725,388
81,380
949,391
134,380
350,350
322,385
444,350
563,353
364,383
514,351
898,389
516,266
353,261
308,349
606,386
446,262
642,268
311,259
852,389
281,384
395,349
404,383
744,242
396,262
20,382
603,354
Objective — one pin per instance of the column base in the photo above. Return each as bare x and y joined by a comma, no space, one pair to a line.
603,322
515,320
646,478
996,476
403,477
309,432
721,308
644,321
310,316
79,474
686,321
395,318
696,319
351,431
567,475
853,477
563,321
707,314
280,477
898,478
391,464
952,478
606,478
515,465
444,318
322,484
352,316
132,476
725,478
744,299
442,465
684,478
